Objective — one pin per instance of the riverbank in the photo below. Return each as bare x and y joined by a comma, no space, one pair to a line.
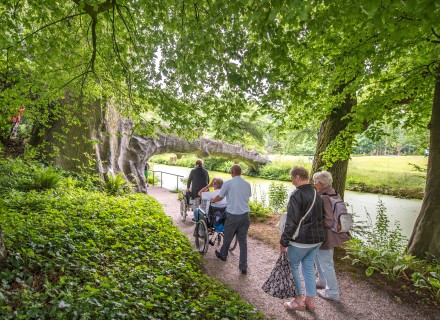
399,176
361,297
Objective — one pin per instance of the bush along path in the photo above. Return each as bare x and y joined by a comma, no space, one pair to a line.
359,300
77,253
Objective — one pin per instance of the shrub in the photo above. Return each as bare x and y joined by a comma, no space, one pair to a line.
383,250
46,178
116,185
84,254
186,161
278,196
153,180
15,174
279,169
258,211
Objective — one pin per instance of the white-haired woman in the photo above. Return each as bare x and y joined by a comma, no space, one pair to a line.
324,260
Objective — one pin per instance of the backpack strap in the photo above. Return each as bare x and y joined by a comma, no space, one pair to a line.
330,195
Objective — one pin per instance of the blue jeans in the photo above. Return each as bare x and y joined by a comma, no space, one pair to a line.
305,257
326,272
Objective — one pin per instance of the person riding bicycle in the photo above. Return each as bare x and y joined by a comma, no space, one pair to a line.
218,209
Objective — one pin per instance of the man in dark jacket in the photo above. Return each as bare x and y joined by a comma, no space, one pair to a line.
198,179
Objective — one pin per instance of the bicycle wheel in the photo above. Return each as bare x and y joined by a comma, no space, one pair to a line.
233,243
183,209
201,236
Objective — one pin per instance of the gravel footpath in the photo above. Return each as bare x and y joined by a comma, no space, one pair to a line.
358,299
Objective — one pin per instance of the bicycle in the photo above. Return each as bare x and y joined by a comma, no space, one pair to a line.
204,229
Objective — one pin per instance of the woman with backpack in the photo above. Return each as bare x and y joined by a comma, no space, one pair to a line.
327,281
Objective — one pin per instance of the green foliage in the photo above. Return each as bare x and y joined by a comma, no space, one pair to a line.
428,278
279,167
278,197
184,181
185,161
383,249
75,253
15,174
383,235
19,174
211,163
294,142
163,158
390,140
46,178
153,180
116,185
258,211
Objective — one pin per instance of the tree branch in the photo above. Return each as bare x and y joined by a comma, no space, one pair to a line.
94,43
73,79
196,12
43,27
183,11
435,33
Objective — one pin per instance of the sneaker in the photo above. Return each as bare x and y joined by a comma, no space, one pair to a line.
244,272
323,294
320,285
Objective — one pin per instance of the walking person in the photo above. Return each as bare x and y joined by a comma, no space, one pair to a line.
302,236
324,260
238,191
198,178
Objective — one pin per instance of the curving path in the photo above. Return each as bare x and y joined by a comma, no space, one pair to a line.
358,299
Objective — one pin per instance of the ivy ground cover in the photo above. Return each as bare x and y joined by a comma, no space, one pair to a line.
81,254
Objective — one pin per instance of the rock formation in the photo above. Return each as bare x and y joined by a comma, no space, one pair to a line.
103,136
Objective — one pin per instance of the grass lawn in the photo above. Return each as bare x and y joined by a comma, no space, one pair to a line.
387,164
388,174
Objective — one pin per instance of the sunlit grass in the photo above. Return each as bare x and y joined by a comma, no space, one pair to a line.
387,174
387,164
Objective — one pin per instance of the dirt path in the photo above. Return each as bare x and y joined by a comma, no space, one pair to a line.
358,299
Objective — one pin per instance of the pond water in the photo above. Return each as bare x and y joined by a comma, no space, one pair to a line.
402,211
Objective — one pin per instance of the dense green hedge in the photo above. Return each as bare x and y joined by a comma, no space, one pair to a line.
81,254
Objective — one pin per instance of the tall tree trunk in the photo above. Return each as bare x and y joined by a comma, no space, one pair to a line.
330,128
425,238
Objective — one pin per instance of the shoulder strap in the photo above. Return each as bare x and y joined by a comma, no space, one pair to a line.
330,195
302,219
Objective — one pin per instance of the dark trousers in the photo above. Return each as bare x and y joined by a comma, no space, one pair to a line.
236,225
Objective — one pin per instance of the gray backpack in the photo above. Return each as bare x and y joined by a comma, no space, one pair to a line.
343,219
